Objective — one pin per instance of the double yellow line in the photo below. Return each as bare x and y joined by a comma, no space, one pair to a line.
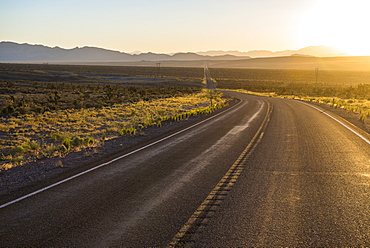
219,192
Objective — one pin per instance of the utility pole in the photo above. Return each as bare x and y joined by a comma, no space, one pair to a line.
316,73
158,66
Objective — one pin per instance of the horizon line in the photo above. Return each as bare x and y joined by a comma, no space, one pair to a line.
138,52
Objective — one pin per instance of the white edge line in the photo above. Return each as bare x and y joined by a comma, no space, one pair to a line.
111,161
352,130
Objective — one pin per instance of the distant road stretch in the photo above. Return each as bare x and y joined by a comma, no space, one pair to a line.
266,172
209,81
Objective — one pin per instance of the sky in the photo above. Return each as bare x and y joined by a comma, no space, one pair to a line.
169,26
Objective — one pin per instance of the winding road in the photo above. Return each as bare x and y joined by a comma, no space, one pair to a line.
265,172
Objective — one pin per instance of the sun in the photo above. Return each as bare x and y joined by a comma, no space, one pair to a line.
340,24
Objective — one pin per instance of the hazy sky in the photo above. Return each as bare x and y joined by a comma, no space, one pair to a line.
188,25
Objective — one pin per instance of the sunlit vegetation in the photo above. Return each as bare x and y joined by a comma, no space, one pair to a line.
51,110
349,90
43,115
357,106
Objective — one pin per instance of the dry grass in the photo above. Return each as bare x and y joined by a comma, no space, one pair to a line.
51,110
55,133
357,106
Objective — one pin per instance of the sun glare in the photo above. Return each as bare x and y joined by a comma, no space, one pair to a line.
340,24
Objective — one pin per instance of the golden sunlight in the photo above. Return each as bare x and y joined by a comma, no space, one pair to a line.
340,24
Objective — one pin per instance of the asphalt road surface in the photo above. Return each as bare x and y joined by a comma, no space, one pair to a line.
209,82
266,172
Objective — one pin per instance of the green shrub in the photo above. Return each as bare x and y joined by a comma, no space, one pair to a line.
175,117
89,141
17,150
122,131
63,149
67,143
132,131
17,159
158,122
51,150
363,117
26,147
34,145
140,126
77,142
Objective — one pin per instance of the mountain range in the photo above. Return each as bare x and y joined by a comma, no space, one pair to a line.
317,51
15,52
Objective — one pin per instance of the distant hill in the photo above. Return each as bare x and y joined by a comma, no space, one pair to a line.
222,53
14,52
305,58
321,51
318,51
10,51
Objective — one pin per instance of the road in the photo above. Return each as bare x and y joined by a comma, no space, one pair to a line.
306,184
209,82
266,172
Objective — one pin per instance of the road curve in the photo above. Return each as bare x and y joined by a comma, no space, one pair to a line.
139,200
302,179
307,184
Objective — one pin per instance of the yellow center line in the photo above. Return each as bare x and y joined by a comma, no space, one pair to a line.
220,190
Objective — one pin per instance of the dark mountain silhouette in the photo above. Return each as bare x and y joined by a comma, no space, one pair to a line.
10,51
